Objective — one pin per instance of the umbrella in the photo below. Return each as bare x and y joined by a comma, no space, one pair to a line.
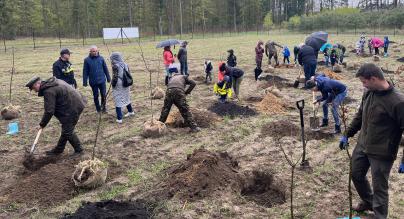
326,46
170,42
377,42
316,40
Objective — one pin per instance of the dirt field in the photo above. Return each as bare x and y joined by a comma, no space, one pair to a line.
240,172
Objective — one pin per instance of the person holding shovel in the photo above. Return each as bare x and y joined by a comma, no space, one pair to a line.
62,68
332,93
270,51
96,71
236,76
66,104
176,94
380,120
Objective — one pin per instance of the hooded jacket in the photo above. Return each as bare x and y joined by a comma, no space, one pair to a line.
286,52
259,52
380,119
231,59
95,70
329,88
60,100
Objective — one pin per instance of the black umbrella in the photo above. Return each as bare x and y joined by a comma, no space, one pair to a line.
169,42
316,40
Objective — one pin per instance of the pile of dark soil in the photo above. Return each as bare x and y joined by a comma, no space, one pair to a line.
201,175
48,186
400,59
232,110
33,163
111,209
203,118
349,100
283,128
254,99
272,80
260,188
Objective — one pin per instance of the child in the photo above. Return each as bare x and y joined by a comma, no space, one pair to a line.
326,56
286,54
231,59
208,71
386,45
333,57
223,89
370,46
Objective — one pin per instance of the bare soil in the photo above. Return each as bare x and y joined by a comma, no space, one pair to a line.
231,109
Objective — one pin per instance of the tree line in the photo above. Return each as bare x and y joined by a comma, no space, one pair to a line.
86,18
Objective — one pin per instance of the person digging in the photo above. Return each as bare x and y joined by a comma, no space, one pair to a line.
66,104
332,93
380,120
176,94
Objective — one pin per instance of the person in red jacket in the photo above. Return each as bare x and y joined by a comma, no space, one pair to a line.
168,60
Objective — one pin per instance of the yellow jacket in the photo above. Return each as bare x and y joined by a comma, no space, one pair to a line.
222,90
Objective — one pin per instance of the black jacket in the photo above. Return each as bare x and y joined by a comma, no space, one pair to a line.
234,72
60,100
63,70
306,55
232,60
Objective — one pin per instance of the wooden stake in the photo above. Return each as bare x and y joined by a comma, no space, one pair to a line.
11,78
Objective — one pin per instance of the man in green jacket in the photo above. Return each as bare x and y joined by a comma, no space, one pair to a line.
380,119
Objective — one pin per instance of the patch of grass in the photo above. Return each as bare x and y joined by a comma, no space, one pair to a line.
113,192
11,207
158,167
135,176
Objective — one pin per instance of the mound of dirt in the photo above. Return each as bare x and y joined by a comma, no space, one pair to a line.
285,66
376,58
199,78
400,59
329,73
90,174
111,209
254,99
33,163
283,128
48,186
157,93
400,69
261,189
271,105
10,112
269,69
349,100
153,129
232,110
203,118
201,175
271,80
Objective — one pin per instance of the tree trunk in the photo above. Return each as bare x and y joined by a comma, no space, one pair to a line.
180,18
234,16
130,12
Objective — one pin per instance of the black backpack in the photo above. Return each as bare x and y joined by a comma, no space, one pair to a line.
127,79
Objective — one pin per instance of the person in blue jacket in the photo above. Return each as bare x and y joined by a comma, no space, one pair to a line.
386,46
332,92
96,71
286,54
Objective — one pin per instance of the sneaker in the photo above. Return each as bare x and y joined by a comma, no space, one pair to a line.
196,129
129,114
53,152
119,121
362,206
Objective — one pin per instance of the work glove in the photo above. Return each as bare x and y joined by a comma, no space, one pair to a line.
343,143
401,168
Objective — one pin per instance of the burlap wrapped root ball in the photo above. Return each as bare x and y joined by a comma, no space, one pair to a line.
10,112
153,129
90,174
157,93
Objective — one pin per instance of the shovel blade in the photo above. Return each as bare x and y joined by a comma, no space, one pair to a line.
296,84
314,123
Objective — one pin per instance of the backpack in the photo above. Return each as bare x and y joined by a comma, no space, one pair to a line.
127,79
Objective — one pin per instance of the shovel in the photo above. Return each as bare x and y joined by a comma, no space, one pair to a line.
297,81
314,120
35,141
300,106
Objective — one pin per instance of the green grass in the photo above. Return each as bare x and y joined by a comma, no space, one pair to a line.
113,192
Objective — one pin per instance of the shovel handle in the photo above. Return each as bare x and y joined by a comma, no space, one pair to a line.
36,140
300,104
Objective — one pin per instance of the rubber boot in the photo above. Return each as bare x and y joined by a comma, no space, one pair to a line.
337,129
166,81
324,123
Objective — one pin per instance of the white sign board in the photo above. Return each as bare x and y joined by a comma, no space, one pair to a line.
118,33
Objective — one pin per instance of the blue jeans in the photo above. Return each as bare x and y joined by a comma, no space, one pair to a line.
309,69
184,67
119,114
97,89
336,102
326,60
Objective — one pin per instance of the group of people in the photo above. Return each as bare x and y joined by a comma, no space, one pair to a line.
373,44
380,118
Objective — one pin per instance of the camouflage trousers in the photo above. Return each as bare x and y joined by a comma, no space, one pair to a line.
178,98
275,56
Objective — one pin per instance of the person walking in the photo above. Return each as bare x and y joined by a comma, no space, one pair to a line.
176,94
380,120
183,58
386,46
307,58
62,68
236,76
66,104
286,54
120,92
95,71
